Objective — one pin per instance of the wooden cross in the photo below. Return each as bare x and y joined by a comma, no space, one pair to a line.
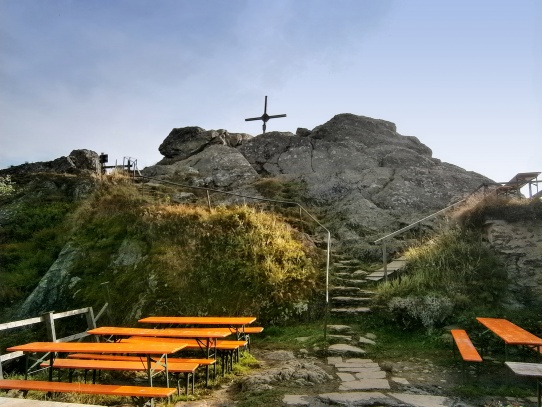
265,117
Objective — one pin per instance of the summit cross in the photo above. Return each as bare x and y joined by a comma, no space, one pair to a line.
265,117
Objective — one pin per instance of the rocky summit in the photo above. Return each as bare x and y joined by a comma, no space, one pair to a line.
363,177
358,175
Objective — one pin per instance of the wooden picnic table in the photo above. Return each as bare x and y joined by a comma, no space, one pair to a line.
205,337
235,324
231,321
511,334
530,370
146,348
208,334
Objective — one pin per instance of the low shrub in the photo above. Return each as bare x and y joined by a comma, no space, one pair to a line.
428,311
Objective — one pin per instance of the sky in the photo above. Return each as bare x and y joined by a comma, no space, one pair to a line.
116,76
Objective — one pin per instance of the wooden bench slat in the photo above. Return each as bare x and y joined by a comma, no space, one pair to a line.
138,358
466,348
253,329
190,343
137,366
231,343
106,389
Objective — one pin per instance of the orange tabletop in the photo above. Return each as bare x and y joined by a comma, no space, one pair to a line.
231,321
509,332
209,333
145,348
150,348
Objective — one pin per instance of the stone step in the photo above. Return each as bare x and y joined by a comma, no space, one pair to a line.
350,282
392,268
350,310
356,275
359,273
342,290
350,300
349,262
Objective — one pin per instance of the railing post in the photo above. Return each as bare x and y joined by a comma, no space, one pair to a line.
91,322
209,201
327,284
50,325
385,260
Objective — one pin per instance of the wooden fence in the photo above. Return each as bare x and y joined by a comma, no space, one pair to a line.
49,319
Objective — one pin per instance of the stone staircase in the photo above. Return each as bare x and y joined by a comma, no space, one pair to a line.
393,269
348,293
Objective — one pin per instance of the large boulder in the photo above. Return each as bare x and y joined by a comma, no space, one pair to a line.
365,178
217,166
519,245
185,142
368,179
77,162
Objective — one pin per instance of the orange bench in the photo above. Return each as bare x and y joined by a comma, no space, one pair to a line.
201,362
249,330
138,393
466,348
137,358
137,366
226,348
464,345
253,329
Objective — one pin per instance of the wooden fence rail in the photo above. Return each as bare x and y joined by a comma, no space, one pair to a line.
49,319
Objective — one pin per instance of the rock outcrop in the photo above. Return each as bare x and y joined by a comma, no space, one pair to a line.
365,177
77,162
519,245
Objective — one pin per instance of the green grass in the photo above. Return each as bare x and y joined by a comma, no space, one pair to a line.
190,261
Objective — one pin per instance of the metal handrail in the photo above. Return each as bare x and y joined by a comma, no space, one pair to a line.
412,225
398,232
301,208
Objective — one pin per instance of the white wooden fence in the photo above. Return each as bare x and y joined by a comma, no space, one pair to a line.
49,319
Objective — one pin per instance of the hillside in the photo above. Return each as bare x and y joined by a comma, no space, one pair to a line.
121,247
70,237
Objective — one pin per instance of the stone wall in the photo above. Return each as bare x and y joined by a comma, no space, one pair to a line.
519,245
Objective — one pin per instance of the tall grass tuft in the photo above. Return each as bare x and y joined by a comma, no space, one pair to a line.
184,260
457,265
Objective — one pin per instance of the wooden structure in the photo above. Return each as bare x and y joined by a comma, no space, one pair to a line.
529,370
48,319
511,334
265,117
464,345
139,393
513,187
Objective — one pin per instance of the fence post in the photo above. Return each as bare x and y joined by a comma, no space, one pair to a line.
91,322
209,201
50,325
385,260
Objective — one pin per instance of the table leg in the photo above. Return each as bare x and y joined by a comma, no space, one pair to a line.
51,360
539,391
167,370
26,366
208,354
149,372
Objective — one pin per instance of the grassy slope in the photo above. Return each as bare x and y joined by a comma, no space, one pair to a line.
185,260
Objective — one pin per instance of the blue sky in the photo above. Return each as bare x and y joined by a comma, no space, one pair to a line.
116,76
